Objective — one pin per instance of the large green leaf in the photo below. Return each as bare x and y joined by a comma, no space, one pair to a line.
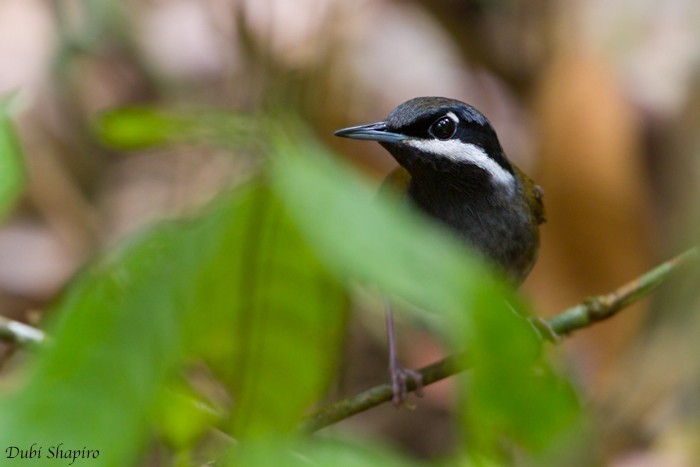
118,334
11,169
380,242
512,392
275,342
240,287
241,274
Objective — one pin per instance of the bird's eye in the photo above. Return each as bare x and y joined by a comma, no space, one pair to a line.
443,128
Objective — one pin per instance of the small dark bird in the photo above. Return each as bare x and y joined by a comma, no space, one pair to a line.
453,168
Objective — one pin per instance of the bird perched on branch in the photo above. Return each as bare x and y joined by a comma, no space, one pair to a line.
453,168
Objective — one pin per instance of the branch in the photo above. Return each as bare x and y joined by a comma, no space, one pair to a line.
602,307
590,311
20,333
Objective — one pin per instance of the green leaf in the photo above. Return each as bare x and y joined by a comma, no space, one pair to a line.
375,239
320,452
12,176
138,128
132,128
182,417
276,339
513,391
120,332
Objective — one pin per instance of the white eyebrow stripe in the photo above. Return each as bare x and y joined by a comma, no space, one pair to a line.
459,151
452,117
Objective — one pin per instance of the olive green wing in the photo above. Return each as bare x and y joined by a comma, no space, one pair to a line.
534,195
396,183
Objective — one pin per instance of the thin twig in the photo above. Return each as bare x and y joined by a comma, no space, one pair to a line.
20,333
602,307
381,393
590,311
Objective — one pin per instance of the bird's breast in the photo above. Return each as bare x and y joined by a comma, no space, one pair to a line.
503,229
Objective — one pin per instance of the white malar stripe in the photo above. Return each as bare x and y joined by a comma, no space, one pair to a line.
458,151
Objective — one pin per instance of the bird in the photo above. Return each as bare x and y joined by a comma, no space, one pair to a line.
452,168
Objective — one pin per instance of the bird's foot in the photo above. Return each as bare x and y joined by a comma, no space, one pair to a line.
403,380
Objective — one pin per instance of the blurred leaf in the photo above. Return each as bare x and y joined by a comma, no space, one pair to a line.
512,393
363,236
318,451
513,390
182,417
119,331
12,175
275,341
240,287
139,128
132,128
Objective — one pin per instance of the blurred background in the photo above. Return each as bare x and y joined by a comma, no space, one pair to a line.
598,101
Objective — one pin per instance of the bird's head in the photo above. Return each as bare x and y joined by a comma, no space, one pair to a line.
436,134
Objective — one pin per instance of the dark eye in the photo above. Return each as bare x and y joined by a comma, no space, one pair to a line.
443,128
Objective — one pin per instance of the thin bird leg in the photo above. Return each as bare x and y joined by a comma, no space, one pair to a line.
399,375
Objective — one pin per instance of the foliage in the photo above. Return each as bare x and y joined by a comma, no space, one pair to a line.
254,289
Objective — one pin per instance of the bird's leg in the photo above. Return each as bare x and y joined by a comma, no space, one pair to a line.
400,376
